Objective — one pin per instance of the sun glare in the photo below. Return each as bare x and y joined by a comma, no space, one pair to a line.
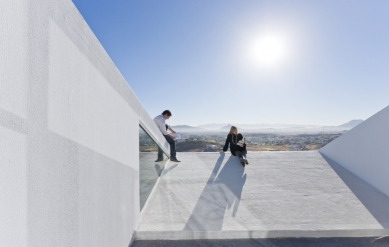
268,50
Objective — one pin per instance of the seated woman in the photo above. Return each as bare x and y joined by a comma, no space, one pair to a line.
237,145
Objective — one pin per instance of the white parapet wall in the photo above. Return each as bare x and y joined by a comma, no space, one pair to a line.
364,150
69,132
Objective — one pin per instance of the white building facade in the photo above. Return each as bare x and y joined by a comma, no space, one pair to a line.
69,132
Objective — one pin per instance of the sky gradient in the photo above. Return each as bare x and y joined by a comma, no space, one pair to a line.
193,57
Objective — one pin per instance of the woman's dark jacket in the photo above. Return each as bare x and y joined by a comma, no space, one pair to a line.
232,140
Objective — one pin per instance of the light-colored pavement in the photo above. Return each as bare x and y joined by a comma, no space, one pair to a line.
149,172
280,194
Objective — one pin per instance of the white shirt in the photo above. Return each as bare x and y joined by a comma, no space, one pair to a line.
160,122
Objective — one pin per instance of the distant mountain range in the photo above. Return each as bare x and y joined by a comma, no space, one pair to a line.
351,124
348,125
186,128
267,127
212,126
224,126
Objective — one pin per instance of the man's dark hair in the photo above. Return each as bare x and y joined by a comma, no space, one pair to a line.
167,112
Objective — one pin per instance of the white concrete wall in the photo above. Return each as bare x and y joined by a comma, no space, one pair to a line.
69,153
364,150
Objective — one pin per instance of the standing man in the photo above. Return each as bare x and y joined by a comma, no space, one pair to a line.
163,127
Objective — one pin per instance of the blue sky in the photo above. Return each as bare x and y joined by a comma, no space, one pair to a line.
195,57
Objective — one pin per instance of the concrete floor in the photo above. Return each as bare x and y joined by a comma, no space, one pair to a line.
280,194
149,172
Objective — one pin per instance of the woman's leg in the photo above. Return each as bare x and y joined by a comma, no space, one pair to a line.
245,158
241,157
241,154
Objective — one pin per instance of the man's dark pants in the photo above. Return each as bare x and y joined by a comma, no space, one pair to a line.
172,144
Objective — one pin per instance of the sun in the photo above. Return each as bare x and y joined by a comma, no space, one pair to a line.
268,50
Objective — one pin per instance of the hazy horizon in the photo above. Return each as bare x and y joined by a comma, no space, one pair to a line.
265,124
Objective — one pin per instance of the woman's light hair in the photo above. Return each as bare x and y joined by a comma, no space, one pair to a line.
233,129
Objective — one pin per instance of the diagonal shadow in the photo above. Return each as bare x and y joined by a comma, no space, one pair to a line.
220,194
374,200
165,171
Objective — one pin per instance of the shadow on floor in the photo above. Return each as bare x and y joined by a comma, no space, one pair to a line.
375,201
166,171
222,191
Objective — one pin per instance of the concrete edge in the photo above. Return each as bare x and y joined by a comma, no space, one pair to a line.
132,240
188,235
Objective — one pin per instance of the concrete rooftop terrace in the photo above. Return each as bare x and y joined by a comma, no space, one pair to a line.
279,194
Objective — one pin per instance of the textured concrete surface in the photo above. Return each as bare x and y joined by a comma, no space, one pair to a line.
149,172
284,242
280,194
69,132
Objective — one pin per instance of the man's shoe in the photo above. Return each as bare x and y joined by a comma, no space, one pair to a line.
242,162
174,160
246,161
158,160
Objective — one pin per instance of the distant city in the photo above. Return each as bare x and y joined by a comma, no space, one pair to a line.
259,137
269,128
214,142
